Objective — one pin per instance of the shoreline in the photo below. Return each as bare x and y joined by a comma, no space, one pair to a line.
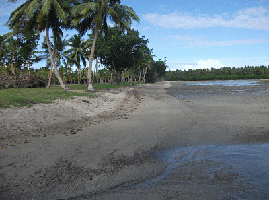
116,150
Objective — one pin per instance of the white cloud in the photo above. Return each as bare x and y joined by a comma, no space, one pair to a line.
204,42
173,66
252,18
235,42
205,64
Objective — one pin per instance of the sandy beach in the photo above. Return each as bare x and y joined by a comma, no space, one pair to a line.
105,148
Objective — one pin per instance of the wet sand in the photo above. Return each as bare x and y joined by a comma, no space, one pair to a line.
112,155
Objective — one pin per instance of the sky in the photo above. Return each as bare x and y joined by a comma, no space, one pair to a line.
197,34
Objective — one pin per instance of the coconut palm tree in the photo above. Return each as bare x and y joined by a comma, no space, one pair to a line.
58,46
94,15
42,15
77,52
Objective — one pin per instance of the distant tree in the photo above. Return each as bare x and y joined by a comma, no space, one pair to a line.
121,51
77,53
19,50
157,71
27,48
224,73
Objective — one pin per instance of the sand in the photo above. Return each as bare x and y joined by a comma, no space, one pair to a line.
104,148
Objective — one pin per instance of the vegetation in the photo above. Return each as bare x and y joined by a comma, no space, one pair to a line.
124,52
130,58
18,50
157,72
19,97
26,96
225,73
94,15
39,15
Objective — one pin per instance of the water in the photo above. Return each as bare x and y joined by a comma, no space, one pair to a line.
229,87
242,171
216,171
228,83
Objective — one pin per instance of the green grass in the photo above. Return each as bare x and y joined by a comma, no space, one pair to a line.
27,96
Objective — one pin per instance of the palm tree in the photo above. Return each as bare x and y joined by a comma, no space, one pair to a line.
10,48
58,46
42,15
94,14
77,53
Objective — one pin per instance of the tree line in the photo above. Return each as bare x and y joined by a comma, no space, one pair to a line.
123,53
224,73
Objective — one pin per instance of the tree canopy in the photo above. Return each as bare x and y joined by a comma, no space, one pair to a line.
94,15
119,48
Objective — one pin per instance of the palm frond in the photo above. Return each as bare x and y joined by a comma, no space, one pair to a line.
122,15
89,8
59,10
82,12
46,5
31,9
17,16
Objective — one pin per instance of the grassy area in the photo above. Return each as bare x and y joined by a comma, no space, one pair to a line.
27,96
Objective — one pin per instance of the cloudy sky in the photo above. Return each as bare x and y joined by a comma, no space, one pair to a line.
198,34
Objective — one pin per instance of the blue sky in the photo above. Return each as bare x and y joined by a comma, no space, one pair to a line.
198,34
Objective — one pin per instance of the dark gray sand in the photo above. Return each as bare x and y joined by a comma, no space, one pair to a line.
163,141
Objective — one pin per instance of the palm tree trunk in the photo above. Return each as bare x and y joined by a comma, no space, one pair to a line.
110,81
79,76
89,81
50,75
12,64
122,77
145,71
52,59
118,78
96,70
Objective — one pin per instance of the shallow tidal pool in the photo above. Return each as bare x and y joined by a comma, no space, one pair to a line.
234,171
228,83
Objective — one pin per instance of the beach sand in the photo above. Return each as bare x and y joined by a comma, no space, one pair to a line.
104,148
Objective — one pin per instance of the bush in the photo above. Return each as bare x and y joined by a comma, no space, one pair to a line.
23,81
